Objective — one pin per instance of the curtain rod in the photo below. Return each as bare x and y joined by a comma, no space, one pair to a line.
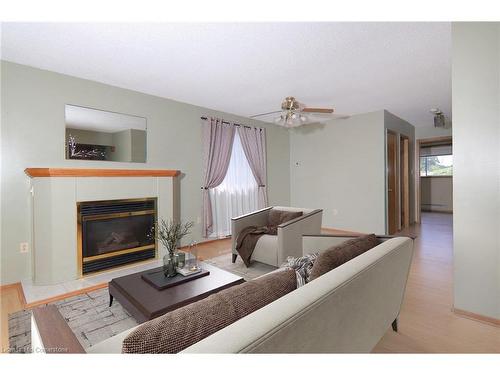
227,122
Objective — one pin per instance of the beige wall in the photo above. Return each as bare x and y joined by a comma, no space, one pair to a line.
339,166
436,193
138,144
122,141
476,169
33,135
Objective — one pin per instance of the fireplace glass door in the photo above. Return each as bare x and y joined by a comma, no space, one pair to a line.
113,233
104,236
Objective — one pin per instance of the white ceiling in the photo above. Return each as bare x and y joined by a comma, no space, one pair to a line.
248,69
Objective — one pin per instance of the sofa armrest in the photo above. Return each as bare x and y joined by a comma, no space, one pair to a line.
112,345
51,334
290,234
257,218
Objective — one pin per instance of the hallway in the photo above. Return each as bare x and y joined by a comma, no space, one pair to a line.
427,323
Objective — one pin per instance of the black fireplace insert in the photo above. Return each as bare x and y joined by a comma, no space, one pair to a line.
113,233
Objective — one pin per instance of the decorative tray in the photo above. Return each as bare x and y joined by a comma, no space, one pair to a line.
159,281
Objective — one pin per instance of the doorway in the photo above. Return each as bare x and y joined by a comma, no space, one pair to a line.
404,183
392,183
398,182
434,180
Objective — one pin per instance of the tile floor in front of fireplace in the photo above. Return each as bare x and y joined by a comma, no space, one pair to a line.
35,293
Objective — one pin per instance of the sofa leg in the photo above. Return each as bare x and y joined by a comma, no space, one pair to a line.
395,325
234,257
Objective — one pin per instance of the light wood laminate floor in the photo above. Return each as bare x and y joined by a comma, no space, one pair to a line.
426,324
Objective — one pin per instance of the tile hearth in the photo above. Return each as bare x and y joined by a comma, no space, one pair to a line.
34,293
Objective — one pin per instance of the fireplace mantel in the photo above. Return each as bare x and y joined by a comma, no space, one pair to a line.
80,172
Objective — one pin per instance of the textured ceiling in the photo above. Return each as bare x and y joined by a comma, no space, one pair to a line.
249,68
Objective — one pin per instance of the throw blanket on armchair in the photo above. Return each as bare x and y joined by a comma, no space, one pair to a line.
248,237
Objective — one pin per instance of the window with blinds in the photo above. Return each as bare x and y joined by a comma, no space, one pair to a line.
436,161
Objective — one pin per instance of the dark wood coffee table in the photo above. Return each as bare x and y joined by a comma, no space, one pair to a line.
144,302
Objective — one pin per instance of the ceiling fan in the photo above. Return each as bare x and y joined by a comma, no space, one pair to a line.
293,114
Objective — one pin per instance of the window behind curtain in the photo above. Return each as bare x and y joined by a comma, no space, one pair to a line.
236,195
436,161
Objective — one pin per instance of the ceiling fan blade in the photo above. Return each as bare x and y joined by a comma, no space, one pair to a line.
265,114
317,110
314,118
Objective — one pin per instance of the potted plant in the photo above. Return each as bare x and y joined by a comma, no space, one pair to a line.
169,233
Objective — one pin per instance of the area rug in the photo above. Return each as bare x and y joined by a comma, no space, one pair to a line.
256,269
92,320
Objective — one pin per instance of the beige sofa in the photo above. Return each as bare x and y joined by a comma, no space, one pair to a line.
274,250
347,310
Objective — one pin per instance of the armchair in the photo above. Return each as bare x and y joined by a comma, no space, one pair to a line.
274,250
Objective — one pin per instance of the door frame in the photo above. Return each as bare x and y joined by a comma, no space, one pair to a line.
404,181
397,209
419,143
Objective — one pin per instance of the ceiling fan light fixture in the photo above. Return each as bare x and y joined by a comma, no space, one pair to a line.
293,113
439,118
290,104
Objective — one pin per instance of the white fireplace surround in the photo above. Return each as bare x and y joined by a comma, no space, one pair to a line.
54,214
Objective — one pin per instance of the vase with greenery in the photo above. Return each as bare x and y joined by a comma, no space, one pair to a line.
169,233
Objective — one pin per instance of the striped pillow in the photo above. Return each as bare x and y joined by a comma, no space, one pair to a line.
302,267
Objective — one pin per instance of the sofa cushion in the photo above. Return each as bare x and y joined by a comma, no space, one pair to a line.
277,217
187,325
338,255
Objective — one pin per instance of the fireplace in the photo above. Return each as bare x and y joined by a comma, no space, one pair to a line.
115,233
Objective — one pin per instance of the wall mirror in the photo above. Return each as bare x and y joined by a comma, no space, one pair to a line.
93,134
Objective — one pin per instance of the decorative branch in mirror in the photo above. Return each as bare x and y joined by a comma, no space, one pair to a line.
92,154
93,134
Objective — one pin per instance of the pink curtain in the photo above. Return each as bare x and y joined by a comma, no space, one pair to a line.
218,140
253,141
